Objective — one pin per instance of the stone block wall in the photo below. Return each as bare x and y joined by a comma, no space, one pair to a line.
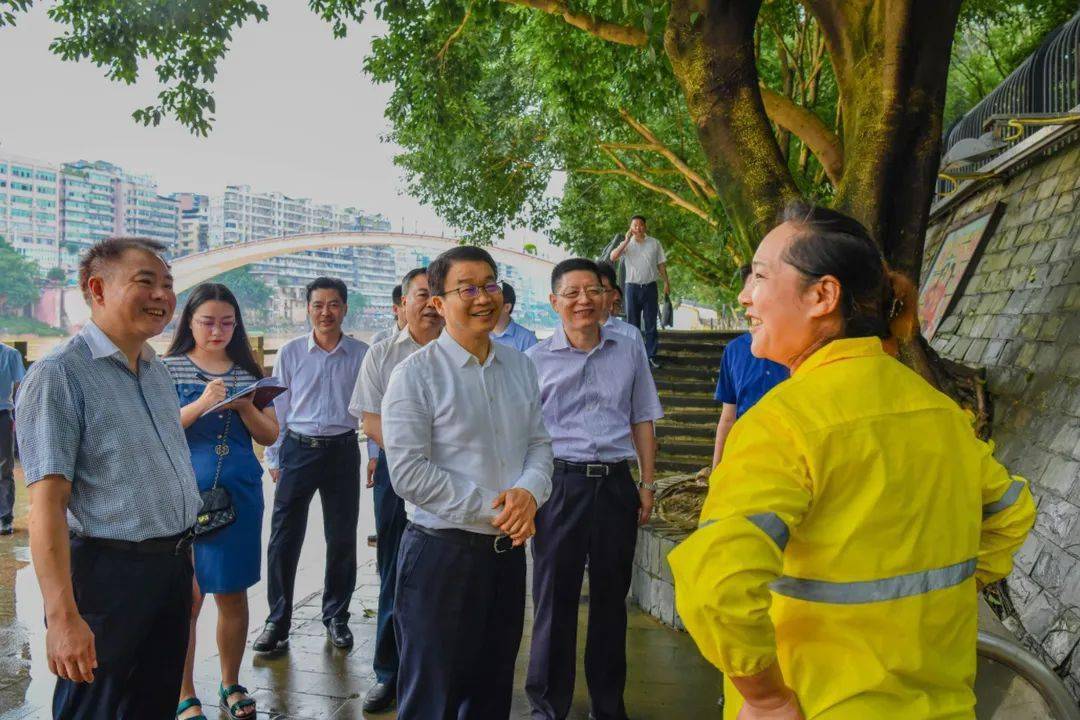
1019,317
652,586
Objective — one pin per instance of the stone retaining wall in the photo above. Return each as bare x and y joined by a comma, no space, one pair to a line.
652,586
1019,317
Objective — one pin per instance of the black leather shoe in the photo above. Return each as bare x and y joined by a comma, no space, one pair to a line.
272,639
6,527
340,634
380,698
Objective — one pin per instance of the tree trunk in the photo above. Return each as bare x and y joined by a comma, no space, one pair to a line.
711,47
890,58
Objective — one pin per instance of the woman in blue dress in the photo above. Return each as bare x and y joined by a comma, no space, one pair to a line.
210,358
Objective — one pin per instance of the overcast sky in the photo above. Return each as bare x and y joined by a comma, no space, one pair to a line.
295,113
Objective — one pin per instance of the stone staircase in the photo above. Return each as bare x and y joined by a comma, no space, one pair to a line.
686,380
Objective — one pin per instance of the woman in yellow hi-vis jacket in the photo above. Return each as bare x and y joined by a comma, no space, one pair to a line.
835,570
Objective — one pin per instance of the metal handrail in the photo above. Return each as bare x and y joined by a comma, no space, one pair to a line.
1047,82
1010,653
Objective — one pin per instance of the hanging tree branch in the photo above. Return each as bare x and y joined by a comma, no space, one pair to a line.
654,142
454,35
609,31
809,128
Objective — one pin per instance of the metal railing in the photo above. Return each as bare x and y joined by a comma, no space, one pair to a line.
1046,84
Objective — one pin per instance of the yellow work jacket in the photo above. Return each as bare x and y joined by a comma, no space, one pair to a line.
844,535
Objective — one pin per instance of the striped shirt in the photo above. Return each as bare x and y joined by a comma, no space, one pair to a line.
114,434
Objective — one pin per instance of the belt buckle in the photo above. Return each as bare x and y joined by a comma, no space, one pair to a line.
508,545
601,470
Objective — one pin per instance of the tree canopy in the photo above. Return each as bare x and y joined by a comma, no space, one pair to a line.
704,115
18,280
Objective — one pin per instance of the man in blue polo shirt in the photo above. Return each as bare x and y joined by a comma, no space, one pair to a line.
744,379
508,332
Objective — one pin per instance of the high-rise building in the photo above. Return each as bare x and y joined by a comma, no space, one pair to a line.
29,209
242,215
98,199
194,223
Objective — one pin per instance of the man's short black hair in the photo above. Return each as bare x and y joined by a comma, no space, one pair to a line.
108,251
395,295
328,283
407,280
509,296
639,217
571,265
607,271
440,266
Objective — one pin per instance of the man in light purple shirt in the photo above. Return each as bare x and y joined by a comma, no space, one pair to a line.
599,403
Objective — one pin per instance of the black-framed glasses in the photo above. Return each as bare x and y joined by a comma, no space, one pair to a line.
592,291
471,292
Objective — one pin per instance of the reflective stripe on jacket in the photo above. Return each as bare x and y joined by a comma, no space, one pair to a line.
844,534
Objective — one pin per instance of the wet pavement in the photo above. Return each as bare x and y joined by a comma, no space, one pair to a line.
667,680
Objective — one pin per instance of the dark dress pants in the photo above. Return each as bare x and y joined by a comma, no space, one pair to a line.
390,524
138,605
459,613
593,518
7,466
642,309
334,472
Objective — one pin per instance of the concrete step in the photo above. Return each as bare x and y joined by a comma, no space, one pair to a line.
667,429
689,346
711,360
683,373
683,448
678,385
697,335
694,416
682,465
676,401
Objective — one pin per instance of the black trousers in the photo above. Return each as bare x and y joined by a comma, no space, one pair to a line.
138,606
593,518
390,524
642,310
458,614
334,472
7,466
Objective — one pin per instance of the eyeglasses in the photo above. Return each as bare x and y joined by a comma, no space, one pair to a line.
210,323
471,292
593,292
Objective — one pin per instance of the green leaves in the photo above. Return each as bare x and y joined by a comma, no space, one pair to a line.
9,8
186,39
18,280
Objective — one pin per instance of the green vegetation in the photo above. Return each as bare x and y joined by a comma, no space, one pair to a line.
251,293
18,281
28,326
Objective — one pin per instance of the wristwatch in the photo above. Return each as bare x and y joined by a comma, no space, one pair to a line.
646,486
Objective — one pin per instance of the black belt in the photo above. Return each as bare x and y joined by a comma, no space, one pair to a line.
318,441
497,543
596,469
174,544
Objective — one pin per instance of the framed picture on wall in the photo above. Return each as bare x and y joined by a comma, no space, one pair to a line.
959,252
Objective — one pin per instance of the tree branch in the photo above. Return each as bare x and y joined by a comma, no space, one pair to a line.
609,31
809,128
454,35
693,176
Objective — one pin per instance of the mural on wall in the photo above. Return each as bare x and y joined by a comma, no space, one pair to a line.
959,250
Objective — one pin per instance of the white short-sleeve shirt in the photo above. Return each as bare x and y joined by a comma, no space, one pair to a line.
641,260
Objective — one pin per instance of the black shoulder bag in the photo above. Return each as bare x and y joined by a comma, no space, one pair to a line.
217,507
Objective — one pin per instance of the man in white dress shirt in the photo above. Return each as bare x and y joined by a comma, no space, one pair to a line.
316,451
423,324
468,452
645,262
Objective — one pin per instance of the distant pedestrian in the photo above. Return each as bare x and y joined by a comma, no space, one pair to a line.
423,324
11,374
836,569
101,442
645,262
612,296
468,452
316,451
599,403
210,358
743,379
507,331
399,318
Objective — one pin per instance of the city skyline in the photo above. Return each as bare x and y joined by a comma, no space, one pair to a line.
296,115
